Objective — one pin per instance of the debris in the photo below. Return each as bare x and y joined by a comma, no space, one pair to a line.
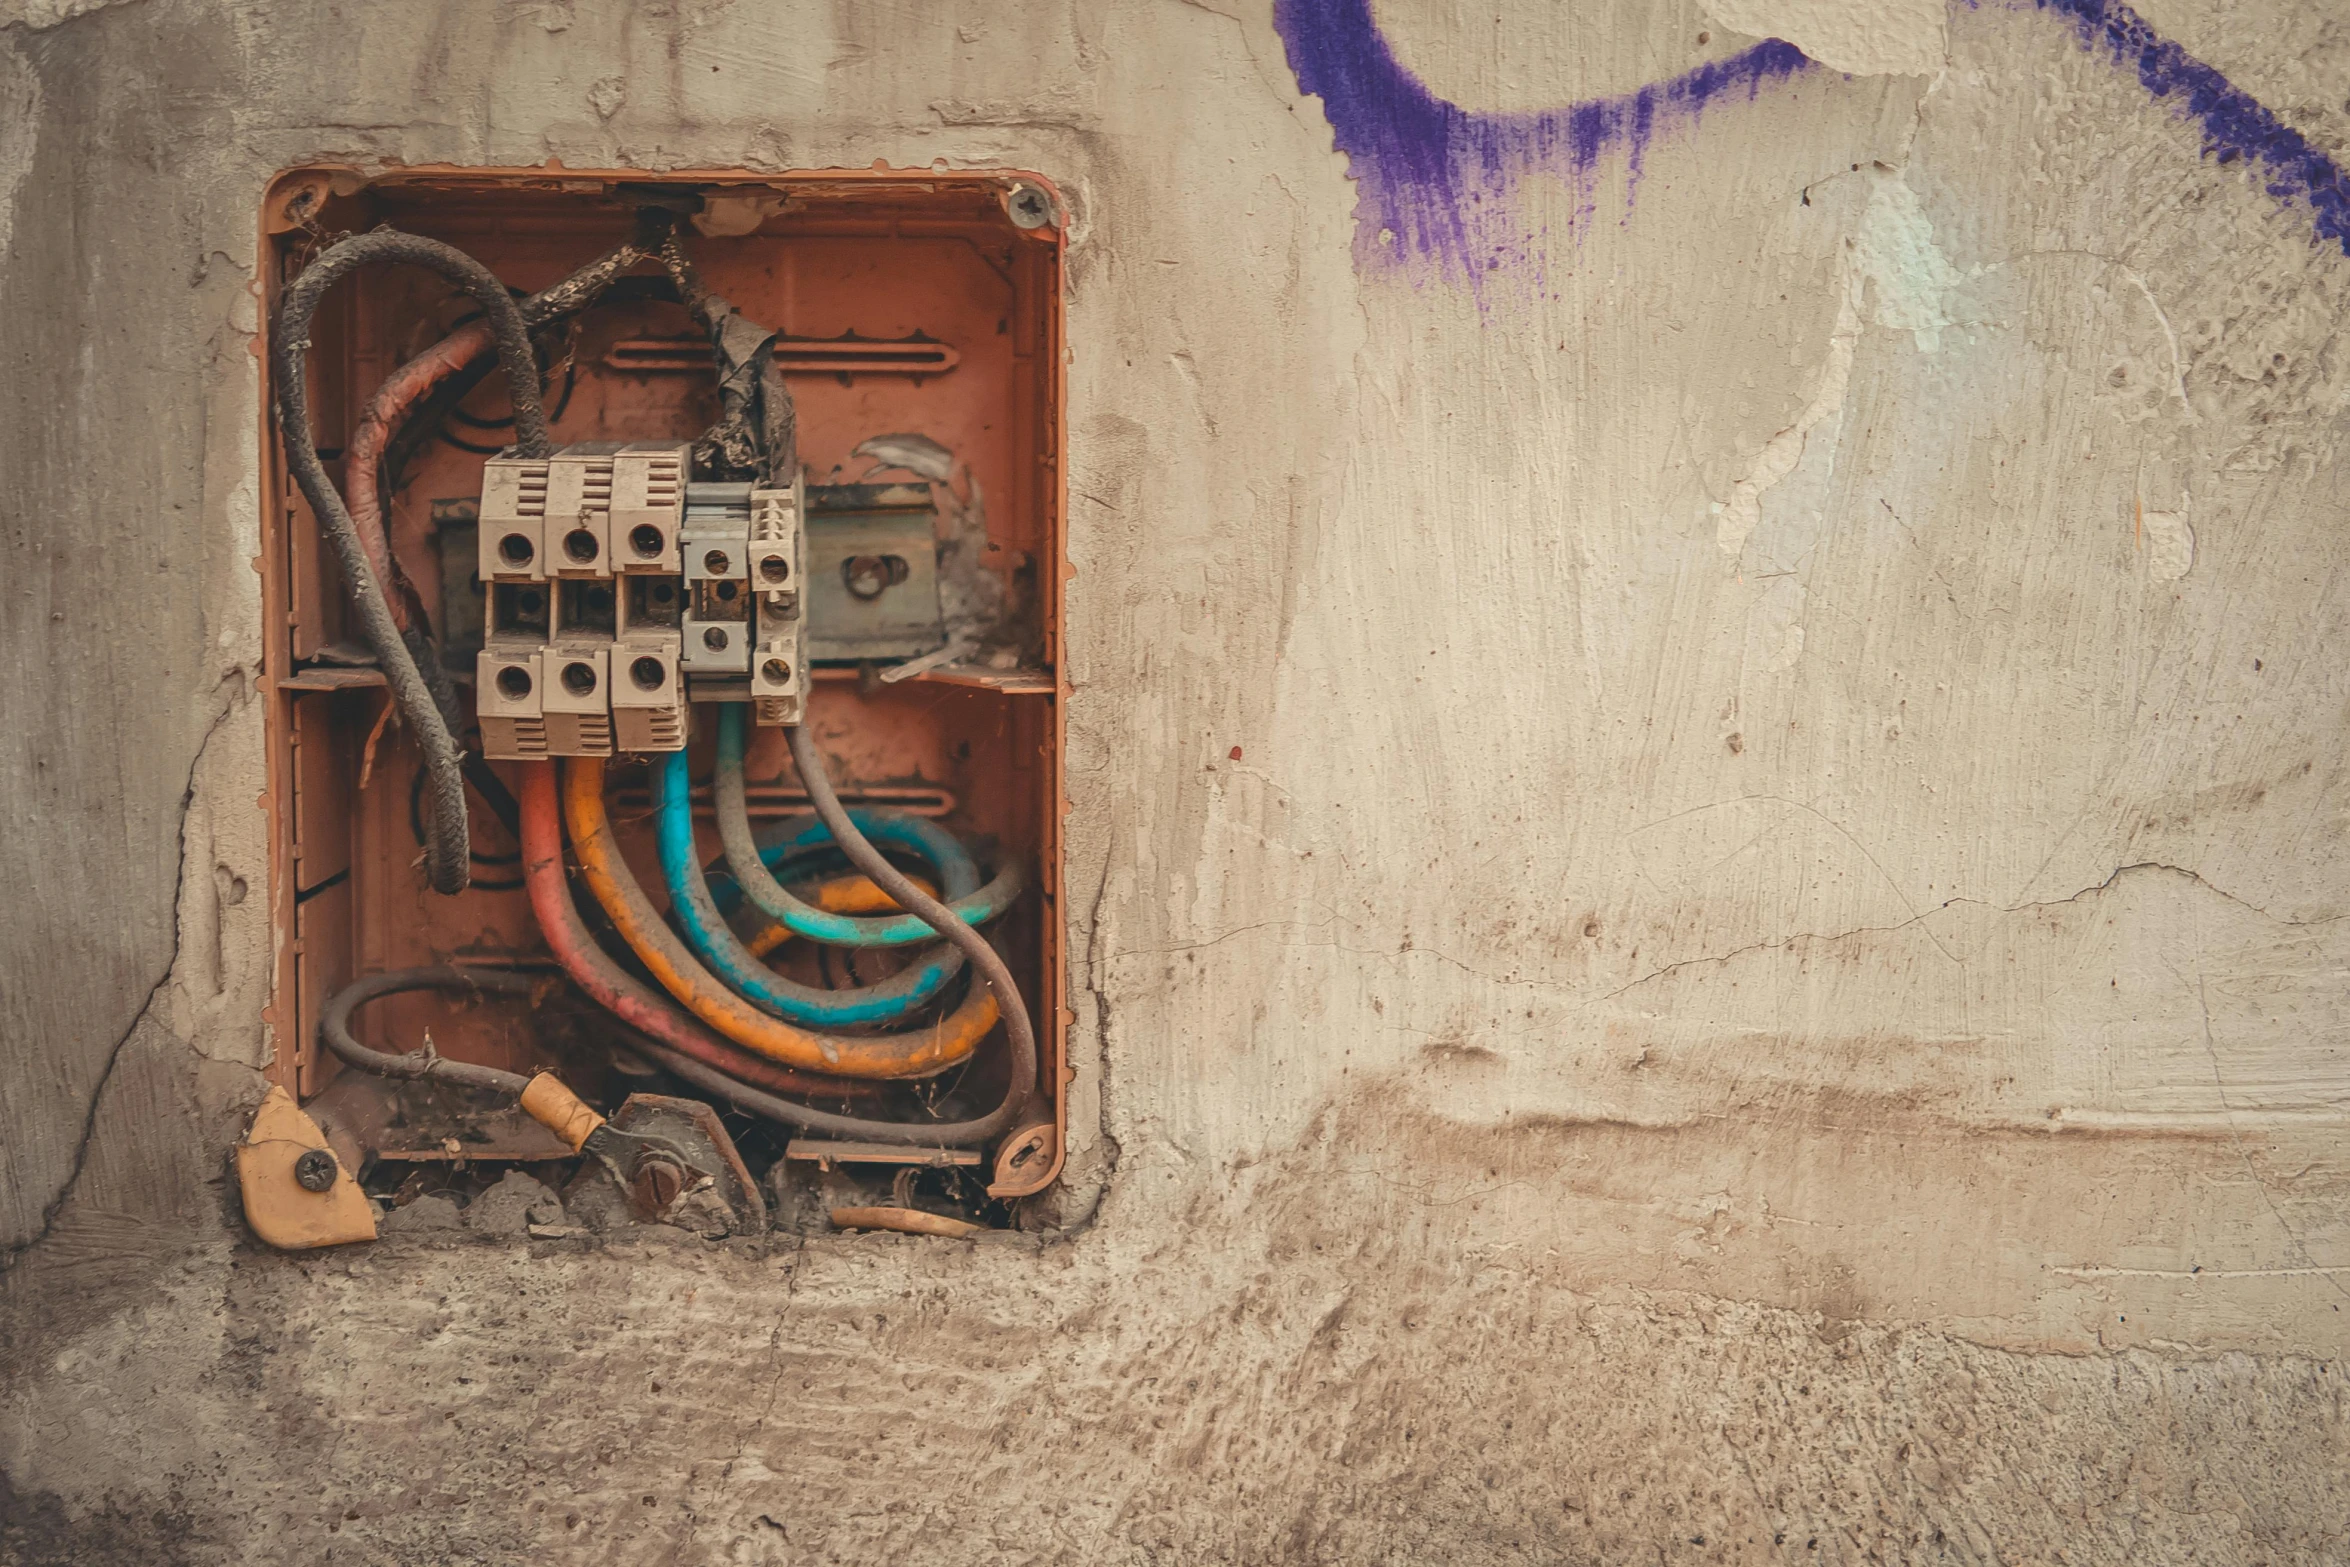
512,1206
432,1211
904,1221
975,603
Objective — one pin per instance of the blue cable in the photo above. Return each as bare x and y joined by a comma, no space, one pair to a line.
751,859
890,1001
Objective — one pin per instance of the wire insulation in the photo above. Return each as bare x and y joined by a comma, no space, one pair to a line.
675,1040
1019,1031
891,1000
334,1024
921,1052
446,847
749,862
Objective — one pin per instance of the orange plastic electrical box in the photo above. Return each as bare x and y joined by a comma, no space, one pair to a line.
909,303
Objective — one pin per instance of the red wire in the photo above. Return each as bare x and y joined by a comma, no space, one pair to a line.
401,391
611,986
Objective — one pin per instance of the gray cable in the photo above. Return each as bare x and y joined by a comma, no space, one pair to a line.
989,964
334,1024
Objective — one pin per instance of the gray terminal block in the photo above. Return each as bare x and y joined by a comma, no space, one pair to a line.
512,523
715,545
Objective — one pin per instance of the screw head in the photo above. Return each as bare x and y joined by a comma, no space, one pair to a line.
1028,206
658,1181
316,1170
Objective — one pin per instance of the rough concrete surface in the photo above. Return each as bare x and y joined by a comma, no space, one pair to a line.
1707,865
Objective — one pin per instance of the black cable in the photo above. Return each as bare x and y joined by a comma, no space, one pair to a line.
506,421
334,1024
445,853
416,825
757,426
428,417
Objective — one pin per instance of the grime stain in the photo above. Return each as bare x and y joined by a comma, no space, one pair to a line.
1435,180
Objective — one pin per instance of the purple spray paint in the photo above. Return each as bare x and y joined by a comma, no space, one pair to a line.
2236,126
1434,178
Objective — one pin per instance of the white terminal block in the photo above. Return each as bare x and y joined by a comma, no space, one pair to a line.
648,692
776,534
507,703
577,698
578,513
512,519
779,674
648,506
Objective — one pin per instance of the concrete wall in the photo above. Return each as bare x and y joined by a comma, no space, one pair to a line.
1707,874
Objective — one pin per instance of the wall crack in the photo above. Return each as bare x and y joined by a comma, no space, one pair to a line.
2119,872
54,1209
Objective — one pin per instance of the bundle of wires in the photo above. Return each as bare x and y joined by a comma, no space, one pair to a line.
695,995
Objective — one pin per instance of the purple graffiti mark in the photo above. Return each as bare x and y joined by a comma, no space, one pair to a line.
1433,177
2236,126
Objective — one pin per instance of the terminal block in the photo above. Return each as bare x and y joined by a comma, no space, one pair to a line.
617,589
648,688
509,689
513,519
779,658
579,511
716,545
507,704
648,506
578,698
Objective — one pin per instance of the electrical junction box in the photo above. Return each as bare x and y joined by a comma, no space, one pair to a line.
899,595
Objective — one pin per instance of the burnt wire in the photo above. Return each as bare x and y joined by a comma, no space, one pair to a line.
416,826
445,854
506,421
425,421
758,428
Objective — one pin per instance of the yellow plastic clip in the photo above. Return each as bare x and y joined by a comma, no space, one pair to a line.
297,1193
559,1110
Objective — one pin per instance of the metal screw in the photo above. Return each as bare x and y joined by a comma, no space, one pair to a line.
657,1181
1029,207
315,1171
868,575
